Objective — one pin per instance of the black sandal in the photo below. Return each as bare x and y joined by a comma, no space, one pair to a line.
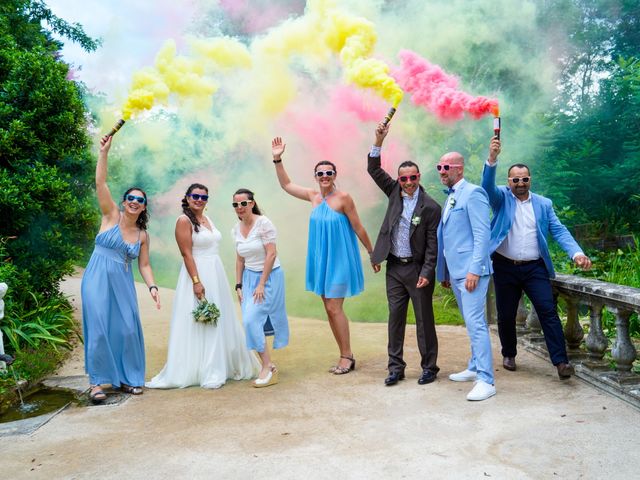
338,370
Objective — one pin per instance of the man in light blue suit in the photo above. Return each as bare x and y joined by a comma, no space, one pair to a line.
464,265
521,222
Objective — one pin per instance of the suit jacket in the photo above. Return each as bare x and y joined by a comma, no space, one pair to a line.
503,203
464,235
425,218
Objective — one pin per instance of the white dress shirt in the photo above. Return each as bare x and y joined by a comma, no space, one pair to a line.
521,242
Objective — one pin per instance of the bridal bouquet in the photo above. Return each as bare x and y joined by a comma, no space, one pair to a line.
206,312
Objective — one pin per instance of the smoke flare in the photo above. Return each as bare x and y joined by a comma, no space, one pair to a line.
435,90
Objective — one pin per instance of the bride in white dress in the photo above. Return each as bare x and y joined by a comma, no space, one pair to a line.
203,354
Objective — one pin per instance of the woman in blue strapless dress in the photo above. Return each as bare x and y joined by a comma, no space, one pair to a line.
334,268
113,341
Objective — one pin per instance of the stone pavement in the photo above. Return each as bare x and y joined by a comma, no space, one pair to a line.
317,425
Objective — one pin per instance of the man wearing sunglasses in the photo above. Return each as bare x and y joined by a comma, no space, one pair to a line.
407,241
464,266
522,220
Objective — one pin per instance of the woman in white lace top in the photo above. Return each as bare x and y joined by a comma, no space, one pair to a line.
260,283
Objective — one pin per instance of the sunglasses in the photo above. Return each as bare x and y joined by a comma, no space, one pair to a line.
516,180
446,167
135,198
198,196
405,178
322,173
243,203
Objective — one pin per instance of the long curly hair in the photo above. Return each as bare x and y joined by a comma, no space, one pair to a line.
143,218
185,204
245,191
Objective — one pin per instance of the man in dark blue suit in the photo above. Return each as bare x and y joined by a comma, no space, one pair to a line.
521,261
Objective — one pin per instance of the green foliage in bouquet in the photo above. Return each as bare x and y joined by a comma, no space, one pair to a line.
206,312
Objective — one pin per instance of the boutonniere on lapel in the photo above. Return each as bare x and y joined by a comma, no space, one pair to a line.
416,221
452,202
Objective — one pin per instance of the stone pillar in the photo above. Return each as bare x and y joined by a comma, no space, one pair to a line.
533,322
623,351
490,306
596,342
573,332
521,317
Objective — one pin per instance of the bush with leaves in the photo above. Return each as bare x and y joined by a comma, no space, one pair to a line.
46,173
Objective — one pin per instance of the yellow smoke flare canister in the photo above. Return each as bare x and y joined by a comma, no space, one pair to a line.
115,128
389,116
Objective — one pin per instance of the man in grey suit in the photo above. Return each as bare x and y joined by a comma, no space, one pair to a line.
407,241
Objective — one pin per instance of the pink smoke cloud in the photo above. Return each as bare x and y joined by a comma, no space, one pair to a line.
363,104
435,90
334,131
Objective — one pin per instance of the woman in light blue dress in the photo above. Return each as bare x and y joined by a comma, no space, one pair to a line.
259,283
113,341
334,268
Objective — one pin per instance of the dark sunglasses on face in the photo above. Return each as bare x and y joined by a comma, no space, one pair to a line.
445,167
198,196
405,178
516,180
243,203
322,173
132,198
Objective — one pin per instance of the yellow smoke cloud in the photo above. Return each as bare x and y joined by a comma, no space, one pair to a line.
323,30
312,39
223,52
354,39
182,76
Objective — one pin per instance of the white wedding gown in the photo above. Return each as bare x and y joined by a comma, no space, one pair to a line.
203,354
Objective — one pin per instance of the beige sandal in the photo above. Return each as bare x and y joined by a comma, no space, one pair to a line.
132,390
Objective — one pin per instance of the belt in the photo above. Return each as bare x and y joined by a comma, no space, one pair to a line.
502,258
404,260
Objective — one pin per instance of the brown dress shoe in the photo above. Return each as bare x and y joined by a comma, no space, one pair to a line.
565,370
509,363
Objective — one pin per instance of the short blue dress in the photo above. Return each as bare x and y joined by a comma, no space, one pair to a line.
113,341
334,267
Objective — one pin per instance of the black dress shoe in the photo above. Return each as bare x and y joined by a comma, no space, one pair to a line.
509,363
393,378
427,377
565,370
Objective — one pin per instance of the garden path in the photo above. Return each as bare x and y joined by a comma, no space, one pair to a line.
317,425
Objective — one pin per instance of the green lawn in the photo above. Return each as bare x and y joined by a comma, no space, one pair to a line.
369,306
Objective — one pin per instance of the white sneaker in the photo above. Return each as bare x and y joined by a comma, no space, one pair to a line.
481,391
463,376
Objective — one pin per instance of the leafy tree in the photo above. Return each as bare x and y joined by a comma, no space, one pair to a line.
46,171
590,140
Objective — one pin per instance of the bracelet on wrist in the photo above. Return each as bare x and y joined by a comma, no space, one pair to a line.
153,286
195,279
277,160
238,286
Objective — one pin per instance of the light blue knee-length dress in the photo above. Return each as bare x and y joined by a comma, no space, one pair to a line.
113,341
334,267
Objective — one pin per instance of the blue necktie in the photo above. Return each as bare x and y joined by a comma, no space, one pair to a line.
448,191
